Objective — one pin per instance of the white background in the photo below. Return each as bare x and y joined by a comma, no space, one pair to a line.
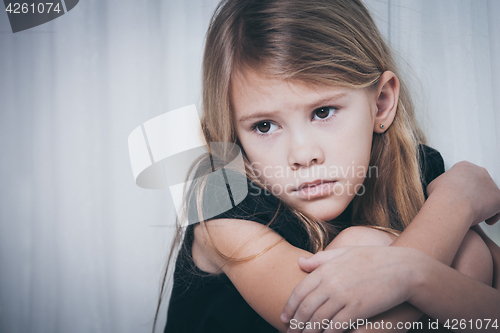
81,246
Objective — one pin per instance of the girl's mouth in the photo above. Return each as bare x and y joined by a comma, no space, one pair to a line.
318,188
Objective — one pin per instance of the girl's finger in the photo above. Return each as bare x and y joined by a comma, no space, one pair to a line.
313,262
308,307
304,288
324,314
336,324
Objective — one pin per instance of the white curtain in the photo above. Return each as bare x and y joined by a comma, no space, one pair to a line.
449,51
81,246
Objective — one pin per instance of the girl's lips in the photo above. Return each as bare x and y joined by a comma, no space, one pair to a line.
315,189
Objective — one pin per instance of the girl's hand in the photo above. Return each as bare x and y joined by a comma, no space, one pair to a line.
351,282
473,186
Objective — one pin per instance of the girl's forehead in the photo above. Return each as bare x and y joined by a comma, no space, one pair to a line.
260,81
251,84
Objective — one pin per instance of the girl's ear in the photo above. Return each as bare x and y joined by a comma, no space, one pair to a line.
387,101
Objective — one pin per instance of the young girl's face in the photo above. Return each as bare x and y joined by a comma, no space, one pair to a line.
309,144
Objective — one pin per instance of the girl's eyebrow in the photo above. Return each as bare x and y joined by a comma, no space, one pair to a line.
314,105
257,115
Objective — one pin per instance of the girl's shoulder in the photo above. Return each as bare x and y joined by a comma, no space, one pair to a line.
258,209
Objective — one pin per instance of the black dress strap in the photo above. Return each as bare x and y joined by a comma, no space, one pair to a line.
431,165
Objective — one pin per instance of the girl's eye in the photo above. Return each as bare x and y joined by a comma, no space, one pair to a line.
324,112
265,127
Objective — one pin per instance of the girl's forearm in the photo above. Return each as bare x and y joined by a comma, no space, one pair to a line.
456,299
438,230
439,227
474,303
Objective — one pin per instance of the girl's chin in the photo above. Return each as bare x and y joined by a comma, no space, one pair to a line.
325,209
323,213
326,217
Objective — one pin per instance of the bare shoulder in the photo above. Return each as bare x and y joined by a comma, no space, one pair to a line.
362,236
230,238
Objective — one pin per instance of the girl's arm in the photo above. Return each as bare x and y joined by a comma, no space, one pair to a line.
371,277
267,281
474,301
458,199
473,259
434,288
495,254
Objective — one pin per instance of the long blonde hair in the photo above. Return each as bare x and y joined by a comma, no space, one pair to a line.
327,42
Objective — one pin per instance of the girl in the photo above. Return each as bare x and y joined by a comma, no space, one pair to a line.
310,92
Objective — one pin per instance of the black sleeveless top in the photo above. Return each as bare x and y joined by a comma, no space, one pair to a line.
204,303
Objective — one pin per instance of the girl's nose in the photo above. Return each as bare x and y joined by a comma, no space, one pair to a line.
305,151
